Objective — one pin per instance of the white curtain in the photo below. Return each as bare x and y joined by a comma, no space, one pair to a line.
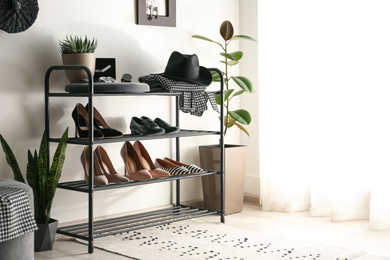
324,86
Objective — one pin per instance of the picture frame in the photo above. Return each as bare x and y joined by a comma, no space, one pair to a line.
147,17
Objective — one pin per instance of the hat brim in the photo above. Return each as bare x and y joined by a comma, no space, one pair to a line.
205,78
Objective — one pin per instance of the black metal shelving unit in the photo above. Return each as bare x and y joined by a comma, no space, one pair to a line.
94,229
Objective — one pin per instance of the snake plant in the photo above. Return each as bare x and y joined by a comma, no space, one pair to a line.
41,179
77,45
239,117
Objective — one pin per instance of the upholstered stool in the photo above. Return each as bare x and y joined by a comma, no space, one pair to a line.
22,246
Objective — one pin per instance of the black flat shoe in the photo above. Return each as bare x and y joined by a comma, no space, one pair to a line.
169,129
145,126
100,124
80,117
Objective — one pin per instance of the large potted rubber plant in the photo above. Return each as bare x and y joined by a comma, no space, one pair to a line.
43,181
235,155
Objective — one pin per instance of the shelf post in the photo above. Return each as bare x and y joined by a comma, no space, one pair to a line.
177,150
90,136
91,159
222,145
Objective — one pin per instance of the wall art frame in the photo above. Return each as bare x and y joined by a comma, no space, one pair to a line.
145,17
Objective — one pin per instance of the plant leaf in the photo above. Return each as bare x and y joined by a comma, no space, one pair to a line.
42,163
237,93
233,62
55,171
242,37
11,160
242,128
237,55
244,83
206,39
32,176
241,115
230,63
226,30
228,93
215,76
217,99
229,121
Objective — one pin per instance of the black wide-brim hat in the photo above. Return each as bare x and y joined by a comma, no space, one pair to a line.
183,67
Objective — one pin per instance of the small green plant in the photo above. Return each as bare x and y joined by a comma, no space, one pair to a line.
41,179
77,45
239,117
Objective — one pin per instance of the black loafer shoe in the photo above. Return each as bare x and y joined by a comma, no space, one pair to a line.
145,127
169,129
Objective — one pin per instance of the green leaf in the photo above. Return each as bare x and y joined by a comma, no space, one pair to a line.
217,99
226,30
237,55
32,176
11,160
206,39
55,171
233,62
244,83
230,63
241,115
242,128
237,93
229,121
242,37
77,45
215,76
228,93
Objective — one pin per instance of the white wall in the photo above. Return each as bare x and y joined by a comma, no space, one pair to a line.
249,67
324,95
138,50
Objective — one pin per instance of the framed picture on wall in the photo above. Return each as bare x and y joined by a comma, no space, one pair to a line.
156,12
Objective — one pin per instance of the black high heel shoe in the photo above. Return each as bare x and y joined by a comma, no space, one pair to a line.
80,117
101,125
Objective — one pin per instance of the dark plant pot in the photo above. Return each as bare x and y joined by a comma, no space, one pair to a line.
235,168
44,236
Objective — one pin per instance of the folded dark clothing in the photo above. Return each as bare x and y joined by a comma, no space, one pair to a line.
155,86
157,89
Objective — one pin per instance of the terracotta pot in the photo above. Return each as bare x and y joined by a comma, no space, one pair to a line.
86,59
235,168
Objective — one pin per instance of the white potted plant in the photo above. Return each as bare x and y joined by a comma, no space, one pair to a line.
235,155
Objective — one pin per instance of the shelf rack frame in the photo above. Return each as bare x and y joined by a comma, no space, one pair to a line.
94,229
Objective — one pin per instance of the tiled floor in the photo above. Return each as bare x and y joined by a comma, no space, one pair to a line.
352,235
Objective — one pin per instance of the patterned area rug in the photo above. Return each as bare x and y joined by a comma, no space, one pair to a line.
193,239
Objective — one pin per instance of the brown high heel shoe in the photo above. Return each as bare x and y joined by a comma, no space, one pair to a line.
147,161
98,177
134,169
107,167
